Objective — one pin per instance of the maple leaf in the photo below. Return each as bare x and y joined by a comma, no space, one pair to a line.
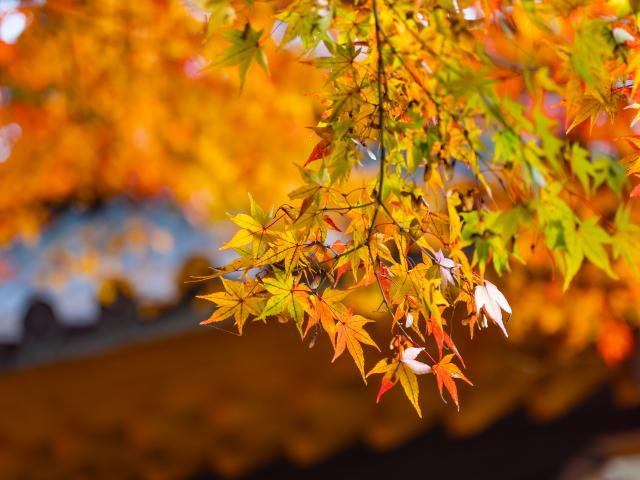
350,334
409,359
285,247
393,372
634,106
244,50
344,262
330,222
238,301
442,338
324,311
445,372
403,370
287,294
409,383
388,380
588,241
590,107
632,160
409,321
387,383
321,150
627,238
635,192
490,301
236,265
252,231
322,314
447,267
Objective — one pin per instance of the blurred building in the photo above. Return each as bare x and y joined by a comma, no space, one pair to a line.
106,374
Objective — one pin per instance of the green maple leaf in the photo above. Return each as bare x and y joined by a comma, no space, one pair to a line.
587,241
287,295
244,50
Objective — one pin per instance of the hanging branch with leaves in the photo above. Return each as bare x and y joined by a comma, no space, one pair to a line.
457,107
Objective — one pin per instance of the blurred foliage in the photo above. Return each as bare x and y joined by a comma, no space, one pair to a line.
112,98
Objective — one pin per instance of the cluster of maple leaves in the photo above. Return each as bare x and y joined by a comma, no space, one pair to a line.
440,154
297,277
455,138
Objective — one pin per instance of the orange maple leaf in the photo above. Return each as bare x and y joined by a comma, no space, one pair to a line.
387,383
442,338
445,372
394,371
350,334
323,314
635,192
321,150
632,160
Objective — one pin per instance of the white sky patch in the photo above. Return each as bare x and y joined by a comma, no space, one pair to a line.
8,5
333,236
277,35
470,13
9,135
319,51
277,31
195,9
362,56
620,84
12,26
599,147
364,149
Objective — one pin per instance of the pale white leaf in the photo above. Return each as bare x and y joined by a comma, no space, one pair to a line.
409,321
497,295
418,368
491,301
622,36
411,353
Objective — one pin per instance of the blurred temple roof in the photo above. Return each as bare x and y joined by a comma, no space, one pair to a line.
202,404
81,251
121,382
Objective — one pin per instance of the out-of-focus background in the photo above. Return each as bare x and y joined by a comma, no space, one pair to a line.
119,154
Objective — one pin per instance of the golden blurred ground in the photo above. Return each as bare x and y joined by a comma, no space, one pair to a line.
167,408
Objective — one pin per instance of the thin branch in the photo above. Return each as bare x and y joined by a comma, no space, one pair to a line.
379,81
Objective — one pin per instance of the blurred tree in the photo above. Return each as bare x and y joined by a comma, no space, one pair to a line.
456,137
114,98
